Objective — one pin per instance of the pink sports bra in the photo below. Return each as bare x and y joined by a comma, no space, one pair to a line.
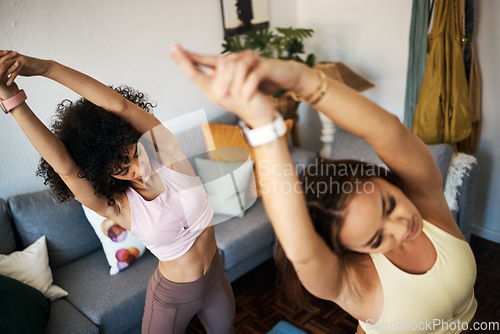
169,224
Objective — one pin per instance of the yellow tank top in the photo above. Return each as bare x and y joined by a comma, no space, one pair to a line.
438,301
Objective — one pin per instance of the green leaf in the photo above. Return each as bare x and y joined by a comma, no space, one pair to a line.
295,46
286,43
311,60
279,92
232,44
295,33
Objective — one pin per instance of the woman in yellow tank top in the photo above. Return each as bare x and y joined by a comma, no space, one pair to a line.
382,244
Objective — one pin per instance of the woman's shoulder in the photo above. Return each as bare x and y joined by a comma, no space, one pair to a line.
435,210
445,222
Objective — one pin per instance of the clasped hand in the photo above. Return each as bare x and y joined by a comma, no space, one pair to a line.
239,81
13,64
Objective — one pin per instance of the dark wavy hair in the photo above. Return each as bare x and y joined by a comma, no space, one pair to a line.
97,140
326,206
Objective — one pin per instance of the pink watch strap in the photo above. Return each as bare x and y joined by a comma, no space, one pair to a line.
9,104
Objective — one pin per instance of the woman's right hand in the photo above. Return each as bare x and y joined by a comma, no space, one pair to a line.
239,81
225,83
265,74
23,65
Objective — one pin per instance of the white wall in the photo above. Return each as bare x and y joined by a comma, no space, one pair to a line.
370,37
487,43
125,41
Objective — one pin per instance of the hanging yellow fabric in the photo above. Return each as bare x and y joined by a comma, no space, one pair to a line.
442,112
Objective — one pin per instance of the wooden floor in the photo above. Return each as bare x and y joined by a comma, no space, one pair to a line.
259,307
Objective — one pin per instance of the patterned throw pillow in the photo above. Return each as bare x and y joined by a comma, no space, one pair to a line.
119,245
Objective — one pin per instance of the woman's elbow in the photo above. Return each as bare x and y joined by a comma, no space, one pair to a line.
392,131
120,106
66,171
65,167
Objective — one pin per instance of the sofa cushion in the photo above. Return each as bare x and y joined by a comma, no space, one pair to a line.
7,241
111,302
227,135
302,157
31,266
224,135
65,318
349,146
240,238
69,234
443,154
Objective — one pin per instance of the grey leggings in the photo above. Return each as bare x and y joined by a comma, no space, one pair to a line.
170,306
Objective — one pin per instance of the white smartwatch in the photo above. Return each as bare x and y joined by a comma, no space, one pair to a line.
266,133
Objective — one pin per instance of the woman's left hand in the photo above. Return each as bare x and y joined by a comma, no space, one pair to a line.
227,82
24,65
7,66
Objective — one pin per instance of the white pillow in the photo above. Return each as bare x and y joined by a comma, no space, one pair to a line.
120,246
31,266
230,186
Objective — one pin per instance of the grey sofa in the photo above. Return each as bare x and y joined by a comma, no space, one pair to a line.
100,303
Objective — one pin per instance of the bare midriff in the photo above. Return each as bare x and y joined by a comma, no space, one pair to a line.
195,263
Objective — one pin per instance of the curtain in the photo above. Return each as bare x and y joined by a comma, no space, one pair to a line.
416,57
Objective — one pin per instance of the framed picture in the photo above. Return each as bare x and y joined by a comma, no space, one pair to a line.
242,15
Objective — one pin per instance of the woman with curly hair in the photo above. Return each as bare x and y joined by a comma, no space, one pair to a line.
381,244
94,154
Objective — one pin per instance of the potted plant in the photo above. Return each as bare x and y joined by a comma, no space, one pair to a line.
283,43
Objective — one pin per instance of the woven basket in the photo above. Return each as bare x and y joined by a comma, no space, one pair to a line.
286,106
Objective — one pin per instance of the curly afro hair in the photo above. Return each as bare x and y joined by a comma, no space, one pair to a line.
97,140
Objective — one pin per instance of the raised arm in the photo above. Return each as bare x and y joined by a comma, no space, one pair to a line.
49,146
316,265
403,152
85,86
